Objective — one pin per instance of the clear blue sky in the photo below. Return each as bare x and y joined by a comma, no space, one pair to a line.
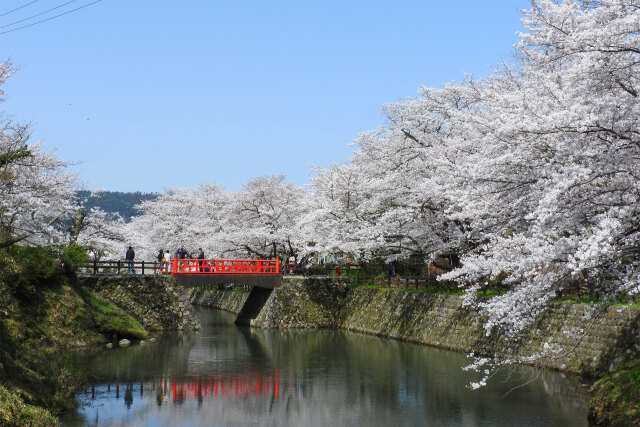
144,94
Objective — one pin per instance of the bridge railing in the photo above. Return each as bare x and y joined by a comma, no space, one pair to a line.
119,266
225,266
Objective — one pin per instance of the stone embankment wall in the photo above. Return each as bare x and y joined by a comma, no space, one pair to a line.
222,300
305,303
571,337
155,301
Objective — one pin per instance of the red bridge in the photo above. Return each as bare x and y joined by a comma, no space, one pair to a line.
264,273
225,266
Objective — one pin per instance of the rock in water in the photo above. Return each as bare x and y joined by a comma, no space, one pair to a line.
124,343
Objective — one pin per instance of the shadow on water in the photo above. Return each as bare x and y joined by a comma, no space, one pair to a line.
229,375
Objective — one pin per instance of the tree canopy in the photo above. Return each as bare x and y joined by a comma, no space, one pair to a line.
530,174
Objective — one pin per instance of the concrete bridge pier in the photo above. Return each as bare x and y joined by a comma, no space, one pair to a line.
257,299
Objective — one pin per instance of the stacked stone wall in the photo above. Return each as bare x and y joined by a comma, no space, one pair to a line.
155,301
304,303
222,300
571,337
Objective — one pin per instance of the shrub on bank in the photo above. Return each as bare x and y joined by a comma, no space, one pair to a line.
25,269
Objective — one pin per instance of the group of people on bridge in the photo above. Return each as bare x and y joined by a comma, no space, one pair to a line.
163,257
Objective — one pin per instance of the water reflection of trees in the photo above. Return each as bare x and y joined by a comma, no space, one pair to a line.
327,377
394,375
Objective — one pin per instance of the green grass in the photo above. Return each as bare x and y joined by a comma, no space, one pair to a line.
39,343
433,289
615,397
14,410
110,321
592,300
490,293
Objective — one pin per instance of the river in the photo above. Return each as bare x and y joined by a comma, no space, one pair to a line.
236,376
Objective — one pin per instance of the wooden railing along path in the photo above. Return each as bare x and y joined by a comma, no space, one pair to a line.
119,267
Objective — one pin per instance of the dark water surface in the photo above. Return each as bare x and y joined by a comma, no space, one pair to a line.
235,376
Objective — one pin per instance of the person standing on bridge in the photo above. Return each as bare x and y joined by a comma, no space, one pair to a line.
292,265
181,254
130,255
167,262
200,256
160,258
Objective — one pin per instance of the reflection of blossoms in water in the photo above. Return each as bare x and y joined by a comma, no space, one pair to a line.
228,375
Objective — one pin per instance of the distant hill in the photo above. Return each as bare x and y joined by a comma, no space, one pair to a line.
117,202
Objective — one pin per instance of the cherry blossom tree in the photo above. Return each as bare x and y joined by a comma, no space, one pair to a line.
391,197
35,189
181,217
99,232
531,173
263,219
554,184
334,217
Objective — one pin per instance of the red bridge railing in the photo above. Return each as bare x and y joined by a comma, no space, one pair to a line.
225,266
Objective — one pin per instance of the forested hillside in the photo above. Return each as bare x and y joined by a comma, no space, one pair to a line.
116,201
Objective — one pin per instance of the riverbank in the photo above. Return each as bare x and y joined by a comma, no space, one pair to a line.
616,396
48,317
39,340
583,339
599,338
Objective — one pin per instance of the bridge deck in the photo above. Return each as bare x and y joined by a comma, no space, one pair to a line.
269,281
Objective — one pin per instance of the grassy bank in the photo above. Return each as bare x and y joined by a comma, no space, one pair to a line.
615,397
44,321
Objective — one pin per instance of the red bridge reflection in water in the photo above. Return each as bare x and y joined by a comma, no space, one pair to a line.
220,387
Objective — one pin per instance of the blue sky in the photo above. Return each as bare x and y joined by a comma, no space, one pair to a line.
144,94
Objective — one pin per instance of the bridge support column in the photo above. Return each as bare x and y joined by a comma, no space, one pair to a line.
252,307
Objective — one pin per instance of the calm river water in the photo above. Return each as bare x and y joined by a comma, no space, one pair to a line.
234,376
